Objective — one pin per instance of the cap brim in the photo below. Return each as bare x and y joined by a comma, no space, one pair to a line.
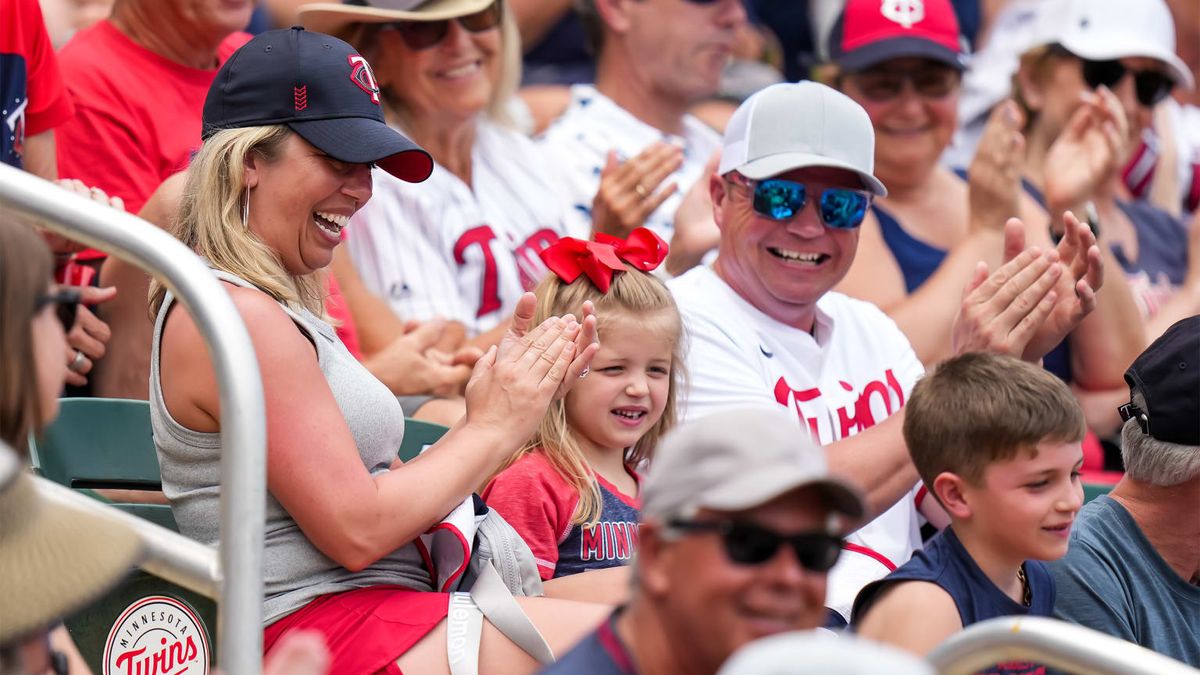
332,17
57,561
750,488
1176,68
361,140
773,165
899,48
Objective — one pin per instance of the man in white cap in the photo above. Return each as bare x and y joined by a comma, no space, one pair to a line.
740,523
766,329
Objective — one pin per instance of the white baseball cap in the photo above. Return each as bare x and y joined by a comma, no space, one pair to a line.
736,459
1100,30
796,125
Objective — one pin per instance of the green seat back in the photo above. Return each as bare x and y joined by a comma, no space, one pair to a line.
1093,490
99,443
417,436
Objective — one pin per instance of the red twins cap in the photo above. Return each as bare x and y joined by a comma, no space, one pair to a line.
321,89
869,32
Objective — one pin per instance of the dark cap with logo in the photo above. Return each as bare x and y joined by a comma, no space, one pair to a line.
1168,376
321,89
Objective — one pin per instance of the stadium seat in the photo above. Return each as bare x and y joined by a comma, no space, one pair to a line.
99,444
418,435
103,443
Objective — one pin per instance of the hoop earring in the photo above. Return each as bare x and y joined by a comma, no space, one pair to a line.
246,210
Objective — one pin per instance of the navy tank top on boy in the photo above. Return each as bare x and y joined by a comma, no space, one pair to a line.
945,562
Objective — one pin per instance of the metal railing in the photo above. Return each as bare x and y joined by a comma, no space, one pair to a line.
1054,643
243,433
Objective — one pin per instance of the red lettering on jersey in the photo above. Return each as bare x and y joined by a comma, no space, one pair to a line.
592,543
784,394
621,534
529,263
489,293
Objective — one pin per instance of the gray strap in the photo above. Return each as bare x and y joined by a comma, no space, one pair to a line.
464,625
497,603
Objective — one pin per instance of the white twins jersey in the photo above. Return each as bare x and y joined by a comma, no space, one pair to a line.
857,370
577,144
466,253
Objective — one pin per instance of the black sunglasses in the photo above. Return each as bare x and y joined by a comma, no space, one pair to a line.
750,544
932,81
66,302
420,35
1150,86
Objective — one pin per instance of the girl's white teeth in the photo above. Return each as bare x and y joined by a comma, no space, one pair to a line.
628,414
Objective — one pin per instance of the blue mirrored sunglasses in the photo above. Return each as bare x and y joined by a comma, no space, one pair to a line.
779,199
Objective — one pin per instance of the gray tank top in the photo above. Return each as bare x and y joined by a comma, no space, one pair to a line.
294,571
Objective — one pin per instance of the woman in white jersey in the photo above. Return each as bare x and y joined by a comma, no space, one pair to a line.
291,130
464,245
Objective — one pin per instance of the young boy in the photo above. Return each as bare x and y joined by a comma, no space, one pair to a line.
997,442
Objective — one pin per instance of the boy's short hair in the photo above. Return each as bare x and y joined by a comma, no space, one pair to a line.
980,408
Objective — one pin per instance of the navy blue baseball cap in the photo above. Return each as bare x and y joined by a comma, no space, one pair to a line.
1168,376
322,89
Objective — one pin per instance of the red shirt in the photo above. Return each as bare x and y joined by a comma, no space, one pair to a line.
138,113
32,96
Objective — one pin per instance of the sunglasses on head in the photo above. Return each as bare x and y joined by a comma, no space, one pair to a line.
750,544
779,199
66,302
931,81
420,35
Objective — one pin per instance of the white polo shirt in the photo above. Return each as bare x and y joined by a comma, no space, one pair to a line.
466,253
577,146
855,370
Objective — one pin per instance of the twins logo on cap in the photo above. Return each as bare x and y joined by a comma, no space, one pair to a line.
904,12
362,76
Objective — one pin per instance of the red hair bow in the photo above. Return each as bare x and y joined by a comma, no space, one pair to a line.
601,259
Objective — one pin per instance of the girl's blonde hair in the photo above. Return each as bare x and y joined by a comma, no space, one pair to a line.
210,219
633,296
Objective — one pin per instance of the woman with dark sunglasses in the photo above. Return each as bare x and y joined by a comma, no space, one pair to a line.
920,244
464,245
1105,67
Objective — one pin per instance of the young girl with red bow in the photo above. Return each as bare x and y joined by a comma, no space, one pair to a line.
572,491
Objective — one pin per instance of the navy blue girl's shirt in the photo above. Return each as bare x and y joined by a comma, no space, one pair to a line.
945,562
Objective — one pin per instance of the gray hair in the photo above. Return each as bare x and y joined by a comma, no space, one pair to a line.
1153,461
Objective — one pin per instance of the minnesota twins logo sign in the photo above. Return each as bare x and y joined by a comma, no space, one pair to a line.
362,76
904,12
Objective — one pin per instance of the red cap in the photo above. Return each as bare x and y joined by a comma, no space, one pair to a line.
869,32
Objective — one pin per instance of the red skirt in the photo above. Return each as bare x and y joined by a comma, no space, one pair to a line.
366,629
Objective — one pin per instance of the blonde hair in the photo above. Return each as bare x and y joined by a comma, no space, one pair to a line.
210,219
364,37
633,295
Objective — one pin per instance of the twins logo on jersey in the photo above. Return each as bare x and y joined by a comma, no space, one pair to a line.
12,108
529,265
875,401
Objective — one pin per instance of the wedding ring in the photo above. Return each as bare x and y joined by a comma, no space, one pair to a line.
77,362
641,191
585,372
